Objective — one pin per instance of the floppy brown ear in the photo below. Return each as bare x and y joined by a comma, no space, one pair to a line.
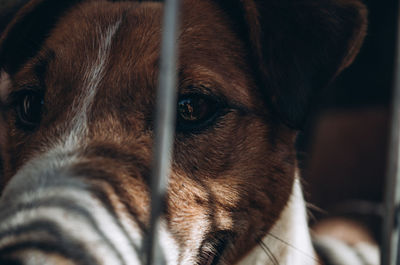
299,46
25,34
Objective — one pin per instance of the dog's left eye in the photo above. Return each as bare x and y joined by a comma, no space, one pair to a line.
29,109
196,111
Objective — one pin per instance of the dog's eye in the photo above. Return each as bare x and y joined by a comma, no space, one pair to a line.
29,109
195,111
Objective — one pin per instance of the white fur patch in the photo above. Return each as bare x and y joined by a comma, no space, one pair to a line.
289,241
168,245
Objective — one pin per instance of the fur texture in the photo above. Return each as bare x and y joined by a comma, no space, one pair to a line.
94,65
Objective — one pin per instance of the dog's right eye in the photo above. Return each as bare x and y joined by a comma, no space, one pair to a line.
29,109
196,111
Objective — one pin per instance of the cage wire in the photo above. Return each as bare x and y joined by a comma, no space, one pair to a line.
164,129
390,251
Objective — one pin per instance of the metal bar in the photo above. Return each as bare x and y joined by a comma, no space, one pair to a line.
390,244
164,128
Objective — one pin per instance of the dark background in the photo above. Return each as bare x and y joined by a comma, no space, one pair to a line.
343,149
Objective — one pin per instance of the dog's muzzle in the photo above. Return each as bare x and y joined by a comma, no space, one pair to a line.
50,215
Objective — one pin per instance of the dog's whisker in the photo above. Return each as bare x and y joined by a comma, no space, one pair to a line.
315,208
312,209
269,253
293,247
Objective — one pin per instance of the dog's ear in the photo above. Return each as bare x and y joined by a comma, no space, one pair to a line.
299,46
27,31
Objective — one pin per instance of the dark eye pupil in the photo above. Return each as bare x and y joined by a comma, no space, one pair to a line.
192,109
29,110
195,112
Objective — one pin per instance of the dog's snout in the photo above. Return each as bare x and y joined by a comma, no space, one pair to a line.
66,217
89,206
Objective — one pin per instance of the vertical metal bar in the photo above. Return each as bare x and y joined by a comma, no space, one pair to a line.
390,244
164,128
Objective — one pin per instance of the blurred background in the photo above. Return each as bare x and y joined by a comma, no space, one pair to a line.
343,148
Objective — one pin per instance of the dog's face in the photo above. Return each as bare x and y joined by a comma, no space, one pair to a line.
81,97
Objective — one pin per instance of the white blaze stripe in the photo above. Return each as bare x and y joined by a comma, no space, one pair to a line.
93,77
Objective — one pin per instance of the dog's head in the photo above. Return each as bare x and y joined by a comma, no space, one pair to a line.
78,91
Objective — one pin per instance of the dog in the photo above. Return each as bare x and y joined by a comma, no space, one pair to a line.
77,89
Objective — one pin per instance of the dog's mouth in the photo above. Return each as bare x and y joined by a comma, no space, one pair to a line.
213,247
